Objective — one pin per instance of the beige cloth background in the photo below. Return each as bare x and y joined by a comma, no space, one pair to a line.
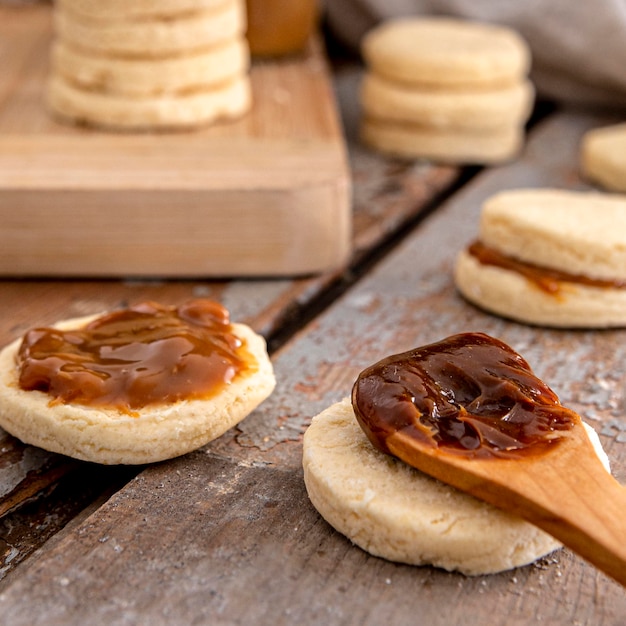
578,46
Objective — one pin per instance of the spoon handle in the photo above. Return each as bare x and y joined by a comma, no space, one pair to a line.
583,507
566,492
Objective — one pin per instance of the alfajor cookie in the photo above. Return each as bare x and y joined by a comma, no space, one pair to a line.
149,65
442,144
151,77
164,381
446,52
603,156
170,111
396,512
445,89
153,37
549,257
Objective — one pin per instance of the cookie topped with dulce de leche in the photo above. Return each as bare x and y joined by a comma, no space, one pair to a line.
136,385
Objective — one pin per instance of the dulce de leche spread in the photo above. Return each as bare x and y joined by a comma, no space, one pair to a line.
469,394
546,279
148,354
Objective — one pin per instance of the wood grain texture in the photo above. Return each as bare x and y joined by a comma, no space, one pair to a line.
266,195
226,535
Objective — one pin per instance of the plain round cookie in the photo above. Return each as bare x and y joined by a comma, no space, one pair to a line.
111,437
394,511
149,38
578,232
412,141
150,77
509,294
188,110
472,110
115,9
603,156
446,52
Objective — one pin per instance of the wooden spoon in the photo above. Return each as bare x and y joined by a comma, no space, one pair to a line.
566,491
470,412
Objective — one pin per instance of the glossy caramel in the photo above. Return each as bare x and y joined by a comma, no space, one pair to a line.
469,394
546,279
145,355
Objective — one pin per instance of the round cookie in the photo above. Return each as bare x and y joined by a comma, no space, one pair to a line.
603,156
442,145
471,110
578,236
394,511
578,232
153,37
510,295
112,9
226,101
112,437
151,77
446,52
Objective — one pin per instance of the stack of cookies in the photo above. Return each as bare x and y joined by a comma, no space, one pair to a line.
149,63
445,89
549,257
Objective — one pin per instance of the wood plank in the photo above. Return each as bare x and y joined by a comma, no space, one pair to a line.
226,535
265,195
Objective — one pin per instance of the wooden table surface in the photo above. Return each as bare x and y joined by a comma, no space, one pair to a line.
226,535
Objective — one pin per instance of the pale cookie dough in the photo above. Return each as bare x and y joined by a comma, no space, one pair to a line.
188,110
580,233
603,156
112,9
151,77
153,37
446,52
394,511
113,437
442,145
486,109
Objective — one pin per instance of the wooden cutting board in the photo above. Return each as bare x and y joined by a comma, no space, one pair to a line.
267,195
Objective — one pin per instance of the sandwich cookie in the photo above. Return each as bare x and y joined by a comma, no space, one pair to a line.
549,257
445,89
146,66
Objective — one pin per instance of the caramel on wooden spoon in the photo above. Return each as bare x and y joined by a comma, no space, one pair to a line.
470,412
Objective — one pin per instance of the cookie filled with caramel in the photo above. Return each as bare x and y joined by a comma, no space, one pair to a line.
549,257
